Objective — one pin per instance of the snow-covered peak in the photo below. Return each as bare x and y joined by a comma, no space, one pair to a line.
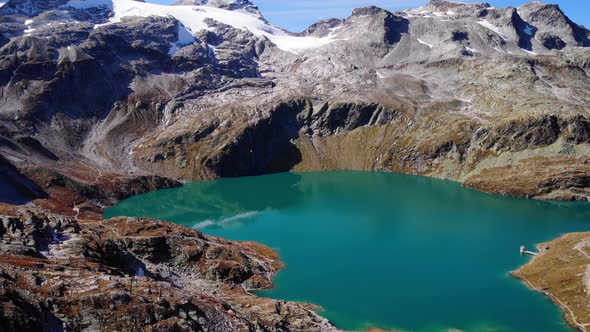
446,5
195,18
30,7
448,8
237,5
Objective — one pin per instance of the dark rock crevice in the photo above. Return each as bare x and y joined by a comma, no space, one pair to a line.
269,146
16,188
266,147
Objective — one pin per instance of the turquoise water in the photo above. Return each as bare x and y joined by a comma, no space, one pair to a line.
379,249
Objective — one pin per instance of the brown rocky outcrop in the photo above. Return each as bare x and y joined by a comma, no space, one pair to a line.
136,274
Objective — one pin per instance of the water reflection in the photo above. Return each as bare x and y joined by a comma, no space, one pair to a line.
383,249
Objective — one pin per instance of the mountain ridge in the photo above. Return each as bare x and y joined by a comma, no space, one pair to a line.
244,5
373,49
555,30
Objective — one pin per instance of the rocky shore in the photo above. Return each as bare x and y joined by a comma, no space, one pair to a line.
562,272
127,274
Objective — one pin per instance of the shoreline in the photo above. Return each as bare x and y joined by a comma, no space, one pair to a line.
541,276
106,274
456,183
113,200
317,309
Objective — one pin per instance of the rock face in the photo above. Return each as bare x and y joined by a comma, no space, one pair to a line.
104,99
459,91
15,187
553,28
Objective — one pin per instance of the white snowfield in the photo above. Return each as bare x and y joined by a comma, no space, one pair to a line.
492,27
193,17
2,4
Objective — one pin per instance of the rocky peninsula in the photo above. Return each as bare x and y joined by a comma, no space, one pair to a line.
562,272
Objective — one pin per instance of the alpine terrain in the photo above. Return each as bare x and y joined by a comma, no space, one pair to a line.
101,100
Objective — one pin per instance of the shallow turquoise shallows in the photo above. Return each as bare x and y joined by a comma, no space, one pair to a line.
379,249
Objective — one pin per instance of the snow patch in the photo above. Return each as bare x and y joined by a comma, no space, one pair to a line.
211,49
185,37
471,49
529,52
528,30
57,248
492,27
424,43
29,22
2,4
193,18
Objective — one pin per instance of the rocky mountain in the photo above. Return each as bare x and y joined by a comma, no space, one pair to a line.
104,99
235,5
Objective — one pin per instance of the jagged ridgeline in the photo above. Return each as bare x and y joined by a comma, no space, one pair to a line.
95,93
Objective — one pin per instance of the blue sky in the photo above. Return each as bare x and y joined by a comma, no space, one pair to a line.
297,15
